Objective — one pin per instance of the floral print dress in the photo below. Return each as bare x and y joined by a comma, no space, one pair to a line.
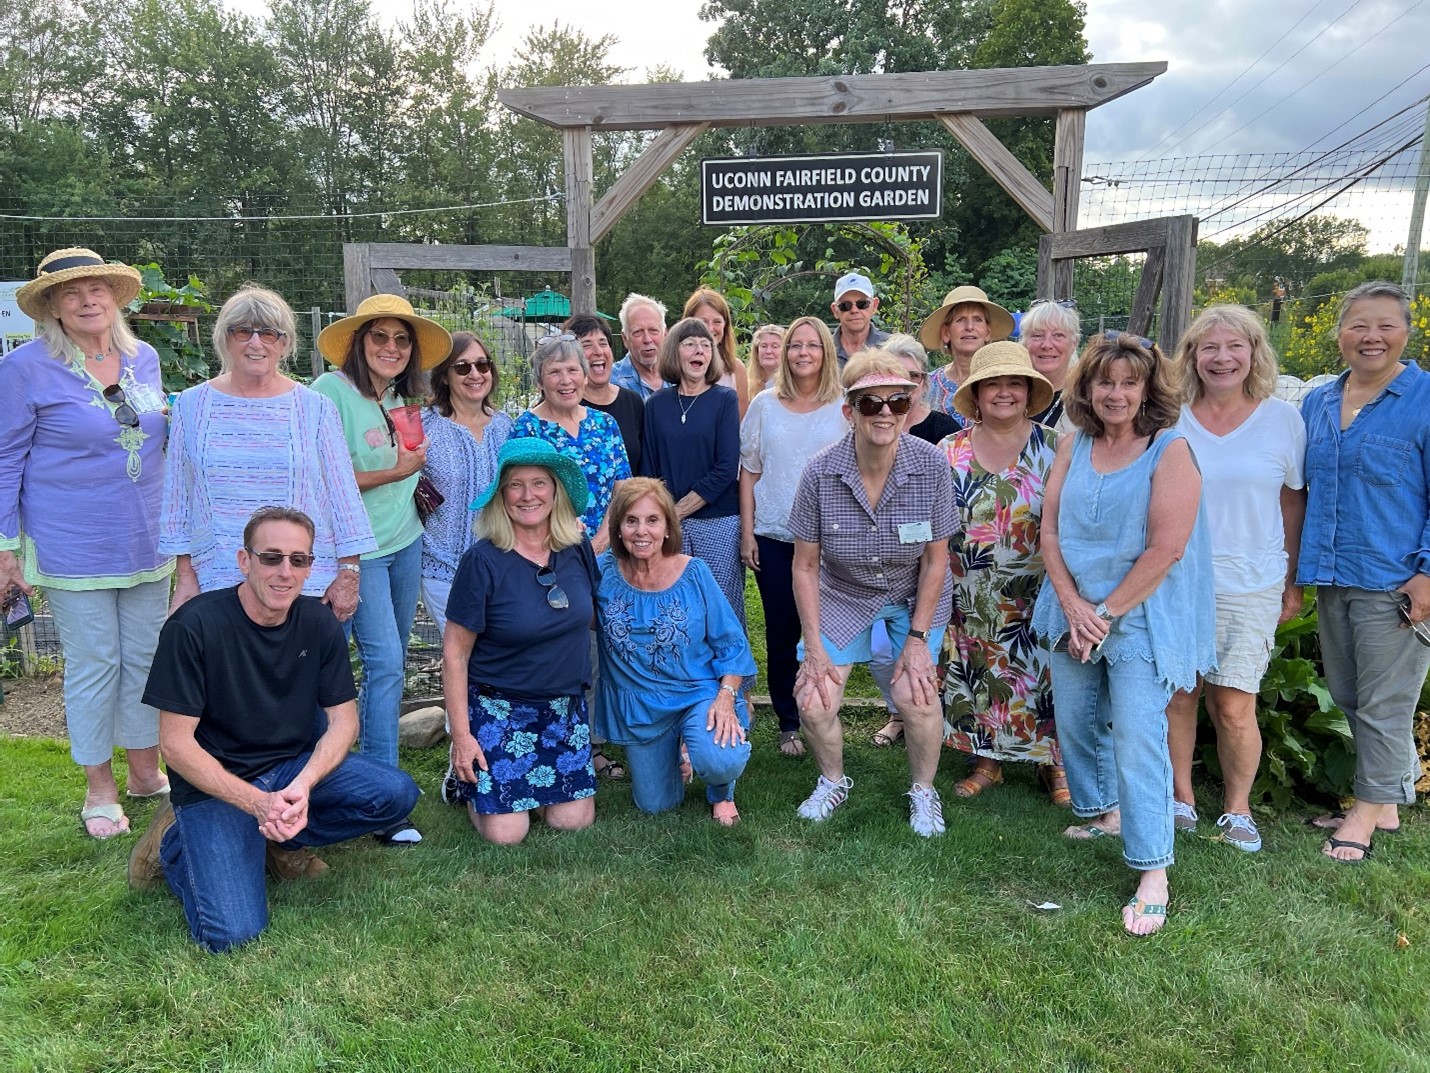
996,699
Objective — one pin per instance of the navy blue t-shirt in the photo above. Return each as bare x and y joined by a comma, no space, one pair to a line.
701,455
525,647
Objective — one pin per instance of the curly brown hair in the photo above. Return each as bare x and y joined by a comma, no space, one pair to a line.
1161,406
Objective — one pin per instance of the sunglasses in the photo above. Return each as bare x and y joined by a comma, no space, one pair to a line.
244,332
123,412
873,405
1113,335
858,303
462,368
555,594
1062,303
1420,629
401,340
301,560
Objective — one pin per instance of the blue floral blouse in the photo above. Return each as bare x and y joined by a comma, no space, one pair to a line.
461,468
598,448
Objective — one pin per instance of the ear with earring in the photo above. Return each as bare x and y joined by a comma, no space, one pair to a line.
977,414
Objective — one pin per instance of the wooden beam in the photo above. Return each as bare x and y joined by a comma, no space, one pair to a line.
469,258
1067,167
357,273
1178,280
1133,237
1144,303
386,281
1002,166
576,143
641,176
873,98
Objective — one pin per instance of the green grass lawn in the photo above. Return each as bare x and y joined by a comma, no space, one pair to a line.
670,944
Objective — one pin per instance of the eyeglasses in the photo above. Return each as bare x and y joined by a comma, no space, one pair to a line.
123,412
1062,303
401,340
857,303
244,332
462,368
556,337
301,560
1114,335
873,405
555,594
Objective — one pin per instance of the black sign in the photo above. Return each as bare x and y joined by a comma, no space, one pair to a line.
817,189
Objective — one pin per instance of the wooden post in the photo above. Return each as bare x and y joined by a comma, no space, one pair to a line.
1067,186
576,142
315,321
357,273
1178,280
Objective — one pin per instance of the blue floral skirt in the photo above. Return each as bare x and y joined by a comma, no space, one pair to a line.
538,752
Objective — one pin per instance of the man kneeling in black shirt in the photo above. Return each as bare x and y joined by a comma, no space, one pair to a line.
238,679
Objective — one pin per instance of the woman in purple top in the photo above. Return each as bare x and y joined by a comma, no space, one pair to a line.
252,437
81,470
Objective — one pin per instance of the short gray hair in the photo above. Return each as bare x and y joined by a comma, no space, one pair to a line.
557,348
256,307
1049,314
635,301
1376,288
903,345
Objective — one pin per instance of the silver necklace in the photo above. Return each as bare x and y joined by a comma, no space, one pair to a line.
683,408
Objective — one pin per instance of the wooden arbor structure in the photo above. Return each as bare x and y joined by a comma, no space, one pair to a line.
682,111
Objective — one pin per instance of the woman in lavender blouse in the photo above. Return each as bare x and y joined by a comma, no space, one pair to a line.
466,431
252,437
81,464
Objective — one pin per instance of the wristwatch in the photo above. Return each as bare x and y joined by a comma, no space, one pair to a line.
1103,613
352,567
919,635
728,689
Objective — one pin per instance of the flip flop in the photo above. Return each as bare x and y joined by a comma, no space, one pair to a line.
162,791
1338,814
1088,832
1142,911
1366,848
113,813
892,731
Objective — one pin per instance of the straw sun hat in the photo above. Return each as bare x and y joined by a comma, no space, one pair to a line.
75,262
1000,321
1003,359
433,341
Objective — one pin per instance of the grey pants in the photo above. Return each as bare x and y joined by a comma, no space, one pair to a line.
1374,669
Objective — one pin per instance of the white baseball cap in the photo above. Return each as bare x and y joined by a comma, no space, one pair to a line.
853,282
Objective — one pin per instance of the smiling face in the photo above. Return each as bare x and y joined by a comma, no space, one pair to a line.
528,493
643,530
1372,336
714,320
883,428
695,353
473,387
1223,361
805,354
767,353
598,356
387,348
1117,394
1051,349
275,588
562,381
1002,399
253,357
644,333
85,306
965,329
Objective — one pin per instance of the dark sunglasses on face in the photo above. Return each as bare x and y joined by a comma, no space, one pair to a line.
462,368
555,594
301,560
123,412
244,332
858,303
380,338
873,405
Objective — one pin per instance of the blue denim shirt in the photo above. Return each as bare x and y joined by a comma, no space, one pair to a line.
624,374
1368,502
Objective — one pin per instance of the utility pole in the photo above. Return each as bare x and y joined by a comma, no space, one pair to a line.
1417,214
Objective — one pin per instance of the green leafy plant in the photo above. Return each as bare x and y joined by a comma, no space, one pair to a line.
181,359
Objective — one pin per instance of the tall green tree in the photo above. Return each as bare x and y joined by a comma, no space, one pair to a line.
48,59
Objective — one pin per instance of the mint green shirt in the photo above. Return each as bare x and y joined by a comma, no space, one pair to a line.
389,506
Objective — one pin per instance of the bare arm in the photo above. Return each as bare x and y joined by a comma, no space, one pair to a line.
749,550
1293,517
408,463
186,582
467,756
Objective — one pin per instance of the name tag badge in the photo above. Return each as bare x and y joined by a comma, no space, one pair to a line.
915,533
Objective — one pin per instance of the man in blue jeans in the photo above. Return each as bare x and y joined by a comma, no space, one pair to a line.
238,678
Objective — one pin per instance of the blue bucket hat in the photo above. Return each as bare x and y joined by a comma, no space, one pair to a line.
529,451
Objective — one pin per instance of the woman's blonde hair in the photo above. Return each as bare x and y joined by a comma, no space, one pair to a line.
1260,382
494,524
257,307
752,362
61,347
828,388
627,494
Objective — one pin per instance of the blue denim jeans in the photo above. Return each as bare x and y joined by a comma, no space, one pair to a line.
654,765
387,603
1112,726
213,856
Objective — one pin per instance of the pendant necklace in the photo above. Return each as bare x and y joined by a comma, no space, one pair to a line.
683,408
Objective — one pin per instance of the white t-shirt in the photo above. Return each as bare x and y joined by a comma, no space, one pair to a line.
776,444
1243,473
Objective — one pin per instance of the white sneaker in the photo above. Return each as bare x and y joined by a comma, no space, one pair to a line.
827,797
925,811
1184,817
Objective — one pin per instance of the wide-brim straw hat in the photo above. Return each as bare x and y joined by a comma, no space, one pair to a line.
529,451
75,262
1000,321
434,342
1003,359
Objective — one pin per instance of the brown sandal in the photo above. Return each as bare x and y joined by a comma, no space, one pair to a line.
1055,779
891,733
985,773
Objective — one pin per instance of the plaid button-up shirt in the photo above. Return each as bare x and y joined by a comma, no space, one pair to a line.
863,563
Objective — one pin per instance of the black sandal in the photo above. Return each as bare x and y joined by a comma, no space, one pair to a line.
605,766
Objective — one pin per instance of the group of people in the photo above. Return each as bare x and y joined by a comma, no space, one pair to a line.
1042,555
